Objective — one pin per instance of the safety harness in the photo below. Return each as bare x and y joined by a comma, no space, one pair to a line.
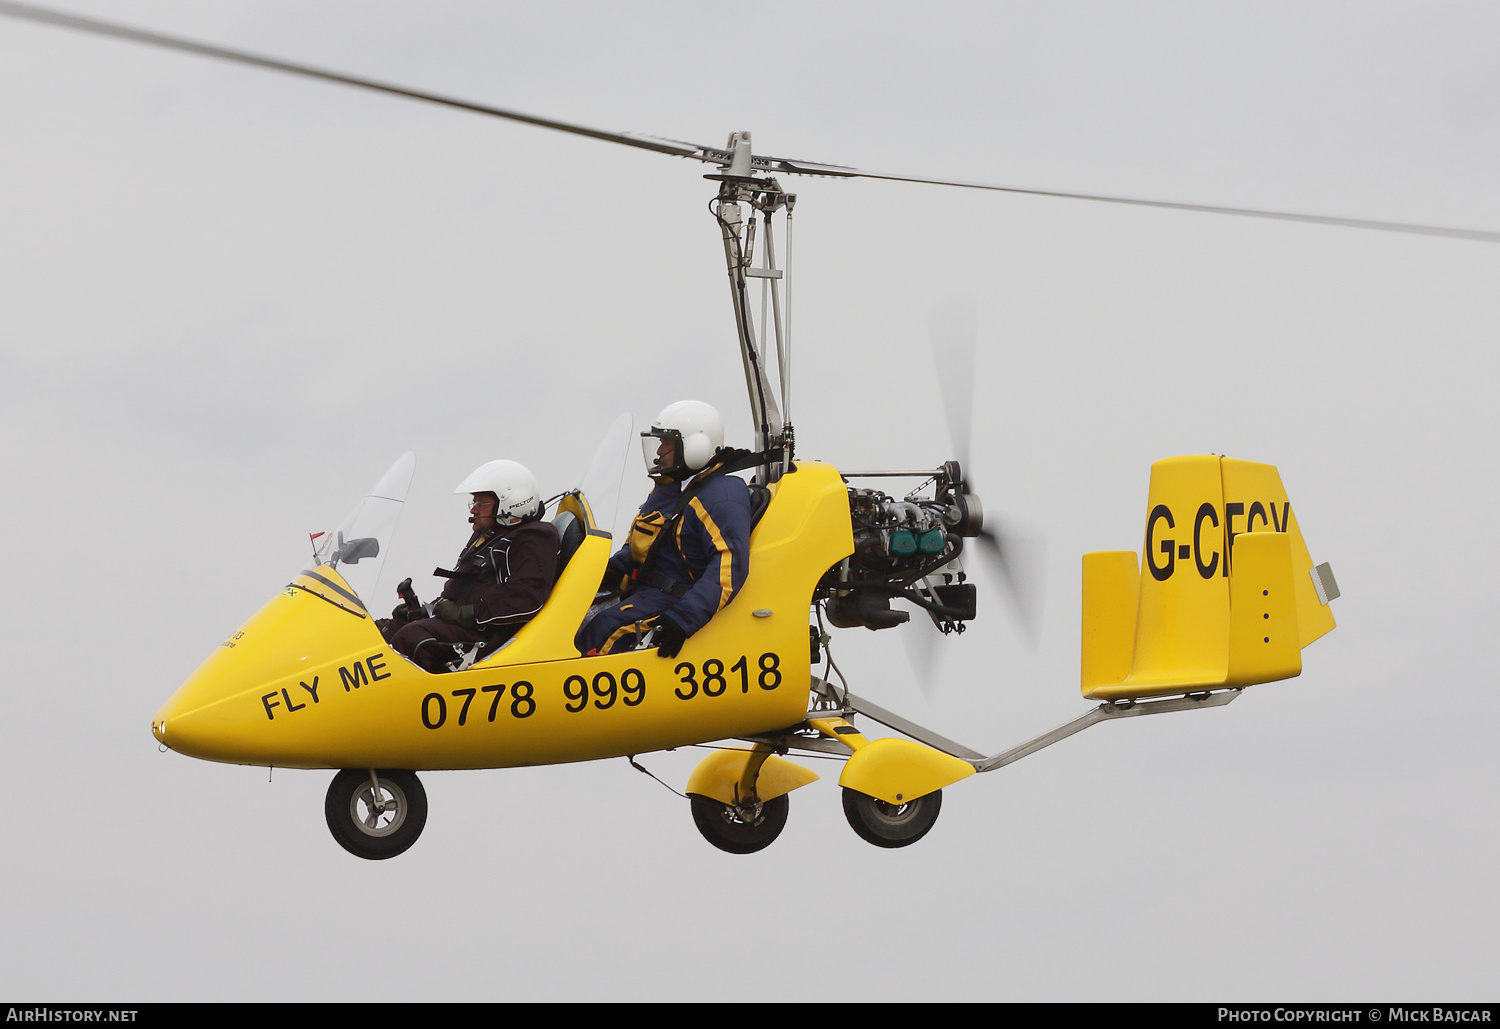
647,531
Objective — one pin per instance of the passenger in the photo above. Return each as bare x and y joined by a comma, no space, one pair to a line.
689,548
501,579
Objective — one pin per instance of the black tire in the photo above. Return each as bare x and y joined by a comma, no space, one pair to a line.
365,832
891,825
722,826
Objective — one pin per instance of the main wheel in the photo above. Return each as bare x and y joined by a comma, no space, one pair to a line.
739,832
375,823
891,825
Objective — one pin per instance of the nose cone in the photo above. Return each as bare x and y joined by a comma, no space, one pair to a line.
194,722
226,709
192,737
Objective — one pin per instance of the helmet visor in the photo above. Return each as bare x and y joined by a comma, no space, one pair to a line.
657,458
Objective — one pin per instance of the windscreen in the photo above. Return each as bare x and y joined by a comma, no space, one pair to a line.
600,482
357,548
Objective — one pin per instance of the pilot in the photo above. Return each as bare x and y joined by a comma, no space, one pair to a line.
502,576
689,547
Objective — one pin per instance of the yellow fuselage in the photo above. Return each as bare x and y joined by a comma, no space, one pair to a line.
308,681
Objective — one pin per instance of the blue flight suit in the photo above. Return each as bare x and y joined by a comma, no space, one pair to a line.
691,575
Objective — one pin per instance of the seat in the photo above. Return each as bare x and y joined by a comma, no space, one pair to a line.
571,533
760,499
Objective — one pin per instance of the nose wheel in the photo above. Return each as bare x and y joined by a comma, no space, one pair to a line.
891,825
375,814
739,829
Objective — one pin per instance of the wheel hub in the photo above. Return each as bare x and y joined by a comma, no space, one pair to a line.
378,812
749,814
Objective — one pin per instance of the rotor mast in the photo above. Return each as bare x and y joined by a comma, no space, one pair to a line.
739,185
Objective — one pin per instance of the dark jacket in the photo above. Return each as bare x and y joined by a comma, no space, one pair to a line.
706,556
506,575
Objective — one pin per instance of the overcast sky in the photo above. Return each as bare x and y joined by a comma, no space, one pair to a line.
230,298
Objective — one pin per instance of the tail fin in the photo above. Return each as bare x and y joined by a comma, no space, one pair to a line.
1226,596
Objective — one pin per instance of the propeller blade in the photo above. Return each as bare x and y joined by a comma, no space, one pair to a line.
920,637
1013,560
953,326
1017,561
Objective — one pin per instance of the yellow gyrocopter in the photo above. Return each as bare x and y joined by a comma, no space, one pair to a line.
1224,595
1227,598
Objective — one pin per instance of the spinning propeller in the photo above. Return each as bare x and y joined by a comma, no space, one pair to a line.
1013,557
1014,560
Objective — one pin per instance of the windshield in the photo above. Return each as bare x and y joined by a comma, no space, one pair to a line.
357,548
600,482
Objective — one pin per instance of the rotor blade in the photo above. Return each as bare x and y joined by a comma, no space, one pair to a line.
710,155
842,171
953,327
679,148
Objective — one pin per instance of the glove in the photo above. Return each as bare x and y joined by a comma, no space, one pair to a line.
451,613
669,637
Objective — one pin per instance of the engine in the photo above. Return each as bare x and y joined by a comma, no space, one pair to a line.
908,549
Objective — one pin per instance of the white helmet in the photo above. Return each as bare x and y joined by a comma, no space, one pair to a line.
694,426
516,492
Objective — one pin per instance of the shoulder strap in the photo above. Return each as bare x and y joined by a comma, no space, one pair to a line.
728,459
476,541
732,459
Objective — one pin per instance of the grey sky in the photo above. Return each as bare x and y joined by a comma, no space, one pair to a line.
230,298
